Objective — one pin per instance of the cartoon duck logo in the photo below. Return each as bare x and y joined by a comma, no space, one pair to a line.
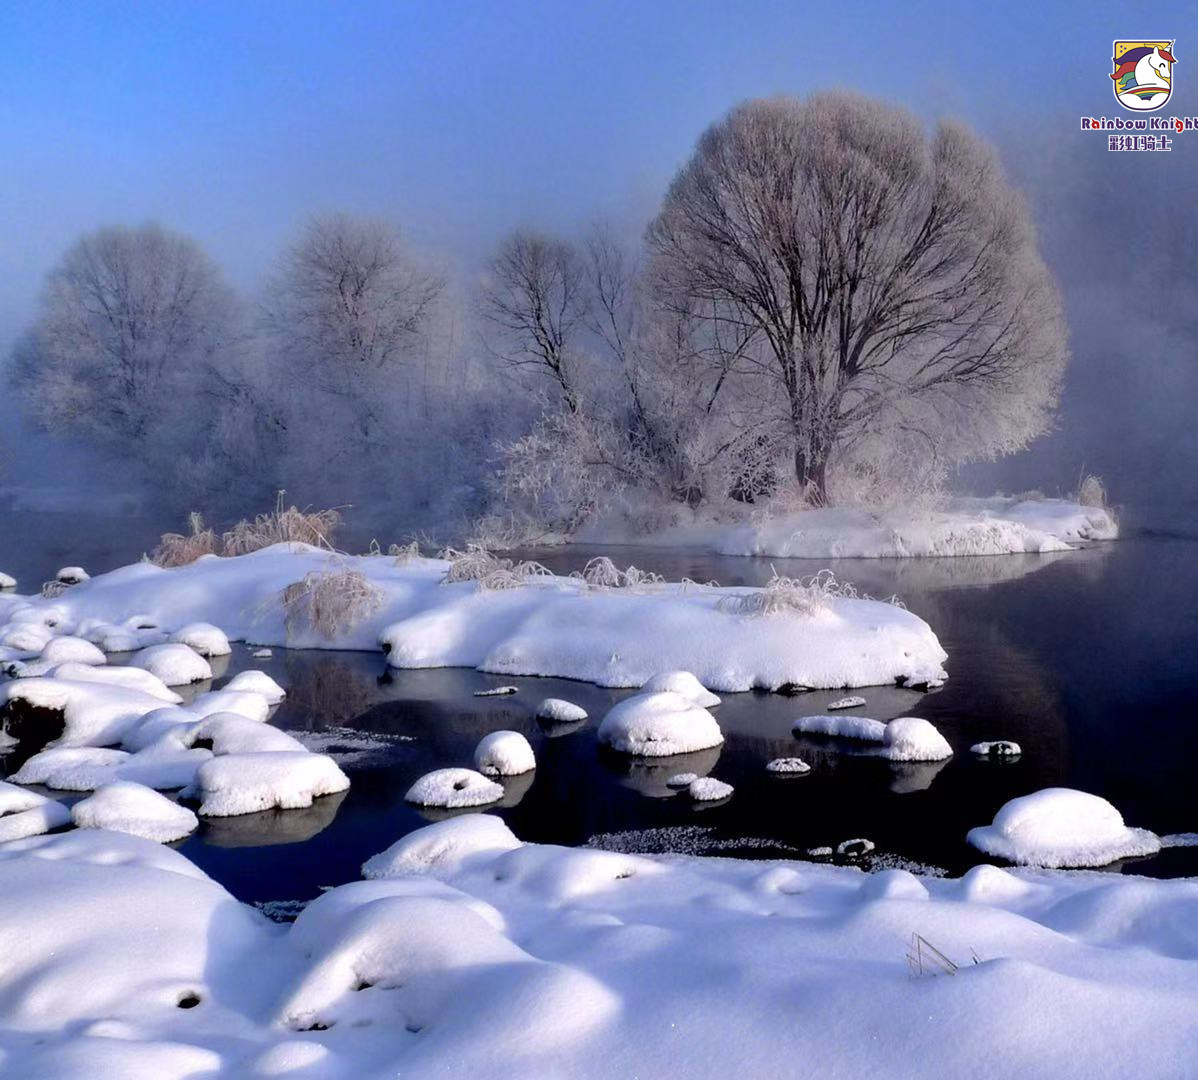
1143,74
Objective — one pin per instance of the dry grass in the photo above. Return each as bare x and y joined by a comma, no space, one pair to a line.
476,563
1091,491
602,573
786,595
403,554
329,602
280,526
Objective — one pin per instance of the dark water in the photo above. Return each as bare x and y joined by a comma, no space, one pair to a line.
1088,659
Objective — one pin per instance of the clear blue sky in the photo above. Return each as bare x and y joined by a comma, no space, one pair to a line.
233,120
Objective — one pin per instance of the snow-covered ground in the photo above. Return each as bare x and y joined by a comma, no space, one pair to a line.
550,626
962,526
469,954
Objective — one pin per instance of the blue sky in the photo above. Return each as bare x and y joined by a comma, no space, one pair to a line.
232,121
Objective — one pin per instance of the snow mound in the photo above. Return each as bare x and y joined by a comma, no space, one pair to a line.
135,809
175,664
247,703
61,650
72,575
1001,748
681,780
7,581
76,768
845,703
204,638
659,725
232,733
788,766
257,682
235,784
708,789
132,678
444,847
504,753
841,727
453,789
25,813
1060,827
558,711
498,691
908,738
684,684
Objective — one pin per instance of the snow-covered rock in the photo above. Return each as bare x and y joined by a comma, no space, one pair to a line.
232,733
93,714
659,725
498,691
908,738
25,813
444,847
61,650
257,682
855,848
132,808
504,753
204,638
246,783
845,703
173,663
841,727
558,711
788,766
453,789
681,780
72,575
684,684
7,581
132,678
73,768
247,703
1001,748
1060,827
708,789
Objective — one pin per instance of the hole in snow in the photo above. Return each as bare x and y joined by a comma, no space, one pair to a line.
188,1000
459,784
362,984
414,1028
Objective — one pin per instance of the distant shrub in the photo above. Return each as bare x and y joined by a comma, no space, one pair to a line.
329,601
1092,492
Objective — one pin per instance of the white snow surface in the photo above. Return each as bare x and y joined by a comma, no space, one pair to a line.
685,685
175,664
206,639
232,784
26,813
7,581
841,727
473,956
132,808
555,626
908,738
853,702
504,753
61,650
788,766
708,789
999,748
1059,827
257,682
999,525
453,789
659,725
559,711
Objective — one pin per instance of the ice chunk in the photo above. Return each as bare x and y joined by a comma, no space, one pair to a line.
659,725
558,711
174,664
442,848
451,789
246,783
133,808
504,753
685,685
1060,827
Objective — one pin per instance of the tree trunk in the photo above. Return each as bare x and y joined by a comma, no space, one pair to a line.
811,471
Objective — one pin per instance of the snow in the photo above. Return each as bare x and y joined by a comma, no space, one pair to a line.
132,808
962,526
469,954
1058,827
174,664
444,847
93,714
557,711
257,682
234,784
685,685
232,733
25,813
681,780
7,581
262,654
504,753
206,639
60,650
1002,748
453,789
72,575
788,766
845,703
497,691
554,626
85,768
908,738
134,678
853,849
841,727
708,789
247,703
659,725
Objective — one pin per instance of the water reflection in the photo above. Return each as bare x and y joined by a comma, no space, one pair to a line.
272,826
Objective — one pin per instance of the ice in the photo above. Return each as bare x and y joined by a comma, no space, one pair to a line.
504,753
685,685
708,789
1058,827
204,638
25,813
246,783
659,725
444,847
257,682
557,711
841,727
132,808
174,664
452,789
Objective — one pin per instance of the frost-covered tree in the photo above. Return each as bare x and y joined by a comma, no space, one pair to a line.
131,321
873,287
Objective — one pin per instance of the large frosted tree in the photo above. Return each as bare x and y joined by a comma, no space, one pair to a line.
882,285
